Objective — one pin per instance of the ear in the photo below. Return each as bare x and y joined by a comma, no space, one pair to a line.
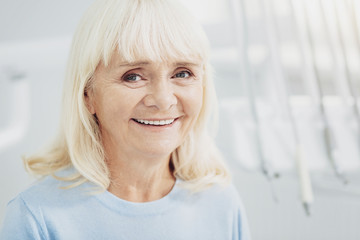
89,100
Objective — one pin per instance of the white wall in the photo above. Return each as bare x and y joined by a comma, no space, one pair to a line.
30,108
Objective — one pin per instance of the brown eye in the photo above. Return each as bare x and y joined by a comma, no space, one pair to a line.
182,74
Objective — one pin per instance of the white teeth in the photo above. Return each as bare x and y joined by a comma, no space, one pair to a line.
157,123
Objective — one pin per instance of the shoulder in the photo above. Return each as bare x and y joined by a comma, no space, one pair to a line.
23,219
218,198
29,213
225,194
228,203
45,189
220,209
50,193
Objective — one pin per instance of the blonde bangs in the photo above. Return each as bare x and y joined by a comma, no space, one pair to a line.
139,34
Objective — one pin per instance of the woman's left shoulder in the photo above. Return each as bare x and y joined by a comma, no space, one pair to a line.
226,200
225,196
226,191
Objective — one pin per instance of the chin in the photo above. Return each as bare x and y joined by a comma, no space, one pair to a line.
158,150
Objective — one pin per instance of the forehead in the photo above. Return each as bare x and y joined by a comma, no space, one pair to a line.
118,61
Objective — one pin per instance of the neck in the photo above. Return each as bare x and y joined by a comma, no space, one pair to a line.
140,178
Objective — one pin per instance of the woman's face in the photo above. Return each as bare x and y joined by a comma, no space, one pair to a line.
146,108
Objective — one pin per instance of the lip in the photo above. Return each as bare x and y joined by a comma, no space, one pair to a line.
157,119
155,127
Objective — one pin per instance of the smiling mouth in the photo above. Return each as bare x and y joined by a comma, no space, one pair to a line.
155,122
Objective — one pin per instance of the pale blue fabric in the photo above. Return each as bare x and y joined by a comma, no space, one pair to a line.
44,211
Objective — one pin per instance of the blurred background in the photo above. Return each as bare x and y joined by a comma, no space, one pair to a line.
287,74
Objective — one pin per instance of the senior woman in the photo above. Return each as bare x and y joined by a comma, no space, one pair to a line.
134,159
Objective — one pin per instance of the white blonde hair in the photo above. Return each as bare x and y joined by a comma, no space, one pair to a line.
156,30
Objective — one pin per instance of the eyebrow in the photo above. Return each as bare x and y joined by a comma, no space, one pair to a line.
185,64
131,64
142,63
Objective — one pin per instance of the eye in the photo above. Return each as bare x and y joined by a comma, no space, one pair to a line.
132,77
183,74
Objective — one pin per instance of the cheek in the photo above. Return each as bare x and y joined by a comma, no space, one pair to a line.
193,100
115,104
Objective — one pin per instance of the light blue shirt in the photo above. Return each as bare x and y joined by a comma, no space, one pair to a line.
44,211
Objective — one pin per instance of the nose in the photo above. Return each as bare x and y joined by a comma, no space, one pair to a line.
161,95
